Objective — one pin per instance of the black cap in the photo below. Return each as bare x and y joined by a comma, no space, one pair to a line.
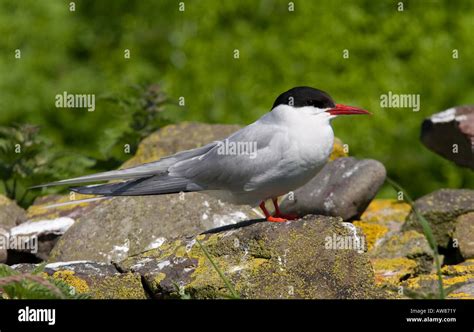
304,96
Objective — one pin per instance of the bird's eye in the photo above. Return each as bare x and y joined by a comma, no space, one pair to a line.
316,103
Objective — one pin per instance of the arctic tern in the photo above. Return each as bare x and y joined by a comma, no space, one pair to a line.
290,144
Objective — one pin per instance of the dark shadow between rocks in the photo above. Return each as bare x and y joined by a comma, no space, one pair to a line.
238,225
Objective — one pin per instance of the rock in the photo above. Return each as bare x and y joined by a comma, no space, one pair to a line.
123,226
10,213
390,271
3,245
261,260
464,235
451,134
458,282
37,237
382,219
410,245
56,206
98,280
441,209
344,187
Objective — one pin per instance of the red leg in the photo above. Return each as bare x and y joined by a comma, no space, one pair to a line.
281,215
268,216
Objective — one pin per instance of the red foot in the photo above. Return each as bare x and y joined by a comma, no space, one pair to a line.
276,219
287,216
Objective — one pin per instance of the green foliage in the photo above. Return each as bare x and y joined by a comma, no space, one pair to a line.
27,159
141,112
15,285
191,54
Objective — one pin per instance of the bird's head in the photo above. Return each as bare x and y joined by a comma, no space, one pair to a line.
313,102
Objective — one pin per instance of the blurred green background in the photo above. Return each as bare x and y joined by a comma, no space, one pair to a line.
190,53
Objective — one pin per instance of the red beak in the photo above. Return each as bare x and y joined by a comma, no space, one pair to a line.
345,110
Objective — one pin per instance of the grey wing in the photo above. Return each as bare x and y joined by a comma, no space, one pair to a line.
147,170
220,170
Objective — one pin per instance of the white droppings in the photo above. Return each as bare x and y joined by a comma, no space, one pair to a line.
158,242
228,219
163,264
190,245
350,171
206,203
329,203
236,268
445,116
56,226
204,216
61,264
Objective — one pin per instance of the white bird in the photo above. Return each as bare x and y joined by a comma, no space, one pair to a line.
276,154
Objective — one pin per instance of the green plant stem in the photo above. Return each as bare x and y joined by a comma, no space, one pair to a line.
221,274
427,231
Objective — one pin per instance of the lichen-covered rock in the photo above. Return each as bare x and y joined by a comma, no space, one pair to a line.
458,282
382,219
344,187
390,271
411,245
57,206
261,260
464,235
37,237
123,226
10,213
441,209
97,280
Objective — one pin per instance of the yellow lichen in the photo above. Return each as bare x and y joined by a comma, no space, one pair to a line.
372,232
458,279
392,270
159,277
36,210
68,277
457,270
338,150
461,296
380,210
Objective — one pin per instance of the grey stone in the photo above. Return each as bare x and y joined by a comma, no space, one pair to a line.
261,260
123,226
441,209
344,188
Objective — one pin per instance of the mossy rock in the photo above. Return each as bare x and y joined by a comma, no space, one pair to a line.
42,207
441,209
11,214
260,260
96,280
